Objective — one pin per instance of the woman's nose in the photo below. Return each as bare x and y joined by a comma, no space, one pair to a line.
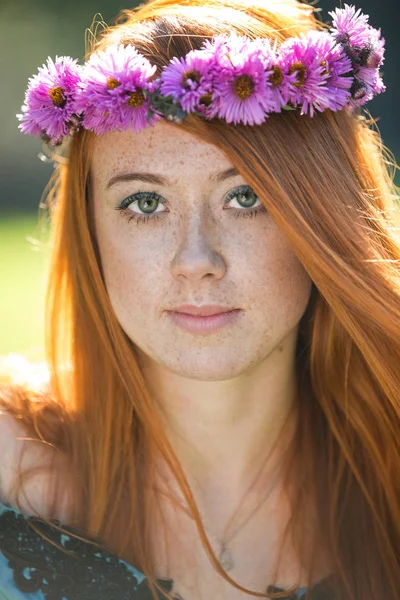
198,253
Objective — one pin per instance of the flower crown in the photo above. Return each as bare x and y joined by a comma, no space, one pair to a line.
232,77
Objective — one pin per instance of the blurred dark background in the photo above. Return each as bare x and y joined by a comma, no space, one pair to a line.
32,30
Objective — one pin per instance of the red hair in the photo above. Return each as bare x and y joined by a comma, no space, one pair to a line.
326,183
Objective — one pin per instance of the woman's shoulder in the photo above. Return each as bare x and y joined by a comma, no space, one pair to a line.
11,433
30,421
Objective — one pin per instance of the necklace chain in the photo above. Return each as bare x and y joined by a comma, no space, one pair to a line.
225,557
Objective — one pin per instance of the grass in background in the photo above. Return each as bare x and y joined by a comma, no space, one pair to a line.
23,271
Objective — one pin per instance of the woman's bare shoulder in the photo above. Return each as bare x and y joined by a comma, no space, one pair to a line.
12,432
21,453
25,407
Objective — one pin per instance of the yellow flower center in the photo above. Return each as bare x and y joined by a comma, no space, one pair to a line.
244,86
136,98
112,83
276,76
206,99
301,75
193,75
57,97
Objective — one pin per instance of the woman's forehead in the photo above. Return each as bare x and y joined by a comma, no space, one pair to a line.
164,148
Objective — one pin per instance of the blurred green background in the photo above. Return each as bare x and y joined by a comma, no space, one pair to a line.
23,277
32,30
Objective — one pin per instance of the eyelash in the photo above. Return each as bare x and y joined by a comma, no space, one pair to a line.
123,206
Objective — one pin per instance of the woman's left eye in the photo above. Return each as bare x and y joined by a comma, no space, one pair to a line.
246,198
243,195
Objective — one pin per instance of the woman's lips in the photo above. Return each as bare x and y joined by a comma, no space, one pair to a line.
197,324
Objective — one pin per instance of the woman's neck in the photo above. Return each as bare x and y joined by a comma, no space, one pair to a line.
223,431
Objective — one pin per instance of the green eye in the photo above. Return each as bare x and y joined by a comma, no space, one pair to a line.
244,195
148,202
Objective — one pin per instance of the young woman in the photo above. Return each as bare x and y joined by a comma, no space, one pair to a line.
221,417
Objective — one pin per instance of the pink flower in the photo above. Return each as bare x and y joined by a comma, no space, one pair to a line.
189,80
242,89
50,99
112,94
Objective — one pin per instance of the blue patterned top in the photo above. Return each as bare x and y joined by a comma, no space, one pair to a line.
32,568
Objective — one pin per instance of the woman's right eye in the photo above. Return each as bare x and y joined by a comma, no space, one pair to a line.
147,202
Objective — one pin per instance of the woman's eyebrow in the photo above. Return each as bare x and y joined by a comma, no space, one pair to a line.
161,180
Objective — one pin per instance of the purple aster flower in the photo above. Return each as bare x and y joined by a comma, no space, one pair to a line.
113,93
351,24
362,42
337,65
219,45
189,80
242,89
301,58
367,84
50,99
215,50
373,79
28,125
278,82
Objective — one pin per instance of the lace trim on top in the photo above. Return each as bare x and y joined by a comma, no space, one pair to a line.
78,570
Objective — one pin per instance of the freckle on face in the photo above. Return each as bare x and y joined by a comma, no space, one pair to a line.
195,253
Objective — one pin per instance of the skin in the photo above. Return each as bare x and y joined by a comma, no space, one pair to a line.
234,384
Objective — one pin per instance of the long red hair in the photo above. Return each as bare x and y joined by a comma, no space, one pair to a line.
327,184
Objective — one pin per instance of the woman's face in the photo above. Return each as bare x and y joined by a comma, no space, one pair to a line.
207,240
